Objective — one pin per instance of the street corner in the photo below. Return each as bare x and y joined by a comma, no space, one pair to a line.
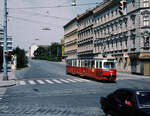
7,83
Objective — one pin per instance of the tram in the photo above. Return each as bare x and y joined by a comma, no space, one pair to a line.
101,69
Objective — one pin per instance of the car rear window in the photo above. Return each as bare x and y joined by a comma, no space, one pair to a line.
144,98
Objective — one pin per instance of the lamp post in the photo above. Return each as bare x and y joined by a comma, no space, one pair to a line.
5,75
73,2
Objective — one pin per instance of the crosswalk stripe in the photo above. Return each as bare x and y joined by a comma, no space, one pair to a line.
71,80
64,80
40,81
48,81
52,81
22,83
32,82
85,80
78,80
56,81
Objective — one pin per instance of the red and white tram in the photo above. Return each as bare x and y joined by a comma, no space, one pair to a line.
101,69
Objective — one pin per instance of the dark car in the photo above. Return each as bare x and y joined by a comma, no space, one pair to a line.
127,102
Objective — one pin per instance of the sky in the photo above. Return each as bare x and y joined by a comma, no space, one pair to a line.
25,25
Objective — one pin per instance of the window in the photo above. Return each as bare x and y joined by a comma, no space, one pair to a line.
146,20
112,13
100,64
143,98
146,3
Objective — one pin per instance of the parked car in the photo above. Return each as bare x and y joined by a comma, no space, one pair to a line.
126,102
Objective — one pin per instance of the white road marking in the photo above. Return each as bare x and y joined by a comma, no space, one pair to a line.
71,80
40,81
64,80
78,80
56,81
48,81
22,83
85,80
32,82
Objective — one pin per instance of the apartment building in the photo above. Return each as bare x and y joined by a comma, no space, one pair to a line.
105,33
70,39
85,34
9,40
123,37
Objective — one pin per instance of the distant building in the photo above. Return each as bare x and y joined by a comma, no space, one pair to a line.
9,40
70,39
33,48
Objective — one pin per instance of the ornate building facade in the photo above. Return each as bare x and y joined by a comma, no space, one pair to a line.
124,37
70,39
105,33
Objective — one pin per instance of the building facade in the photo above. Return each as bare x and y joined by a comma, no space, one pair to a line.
70,39
104,32
32,49
9,40
124,37
85,34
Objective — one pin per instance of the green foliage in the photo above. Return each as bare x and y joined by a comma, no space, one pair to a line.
51,53
22,60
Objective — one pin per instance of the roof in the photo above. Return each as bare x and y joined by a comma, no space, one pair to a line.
70,22
85,14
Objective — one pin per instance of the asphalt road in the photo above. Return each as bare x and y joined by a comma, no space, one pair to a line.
43,89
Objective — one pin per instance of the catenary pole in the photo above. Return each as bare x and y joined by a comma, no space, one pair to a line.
5,75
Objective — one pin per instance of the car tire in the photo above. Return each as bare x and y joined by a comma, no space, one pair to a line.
108,115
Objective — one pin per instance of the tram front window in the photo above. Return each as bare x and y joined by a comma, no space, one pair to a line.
109,65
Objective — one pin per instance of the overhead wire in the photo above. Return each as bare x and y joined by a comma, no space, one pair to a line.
32,21
38,14
59,6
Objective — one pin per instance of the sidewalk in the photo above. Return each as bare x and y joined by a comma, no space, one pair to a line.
11,79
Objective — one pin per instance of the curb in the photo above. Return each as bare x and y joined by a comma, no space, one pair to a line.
7,83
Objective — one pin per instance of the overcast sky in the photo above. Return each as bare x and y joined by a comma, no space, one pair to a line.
25,25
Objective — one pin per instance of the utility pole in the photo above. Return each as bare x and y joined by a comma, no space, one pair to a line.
5,52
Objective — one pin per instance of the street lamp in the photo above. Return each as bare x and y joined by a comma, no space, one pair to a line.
5,52
74,3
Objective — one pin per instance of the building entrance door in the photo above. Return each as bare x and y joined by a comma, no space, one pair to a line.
147,67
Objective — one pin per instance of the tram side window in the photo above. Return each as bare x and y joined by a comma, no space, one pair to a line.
97,64
79,63
92,64
89,63
69,62
82,63
100,64
75,63
86,63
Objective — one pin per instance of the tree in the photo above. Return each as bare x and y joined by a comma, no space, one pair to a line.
52,52
22,60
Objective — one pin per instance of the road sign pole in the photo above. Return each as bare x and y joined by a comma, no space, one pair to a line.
5,75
